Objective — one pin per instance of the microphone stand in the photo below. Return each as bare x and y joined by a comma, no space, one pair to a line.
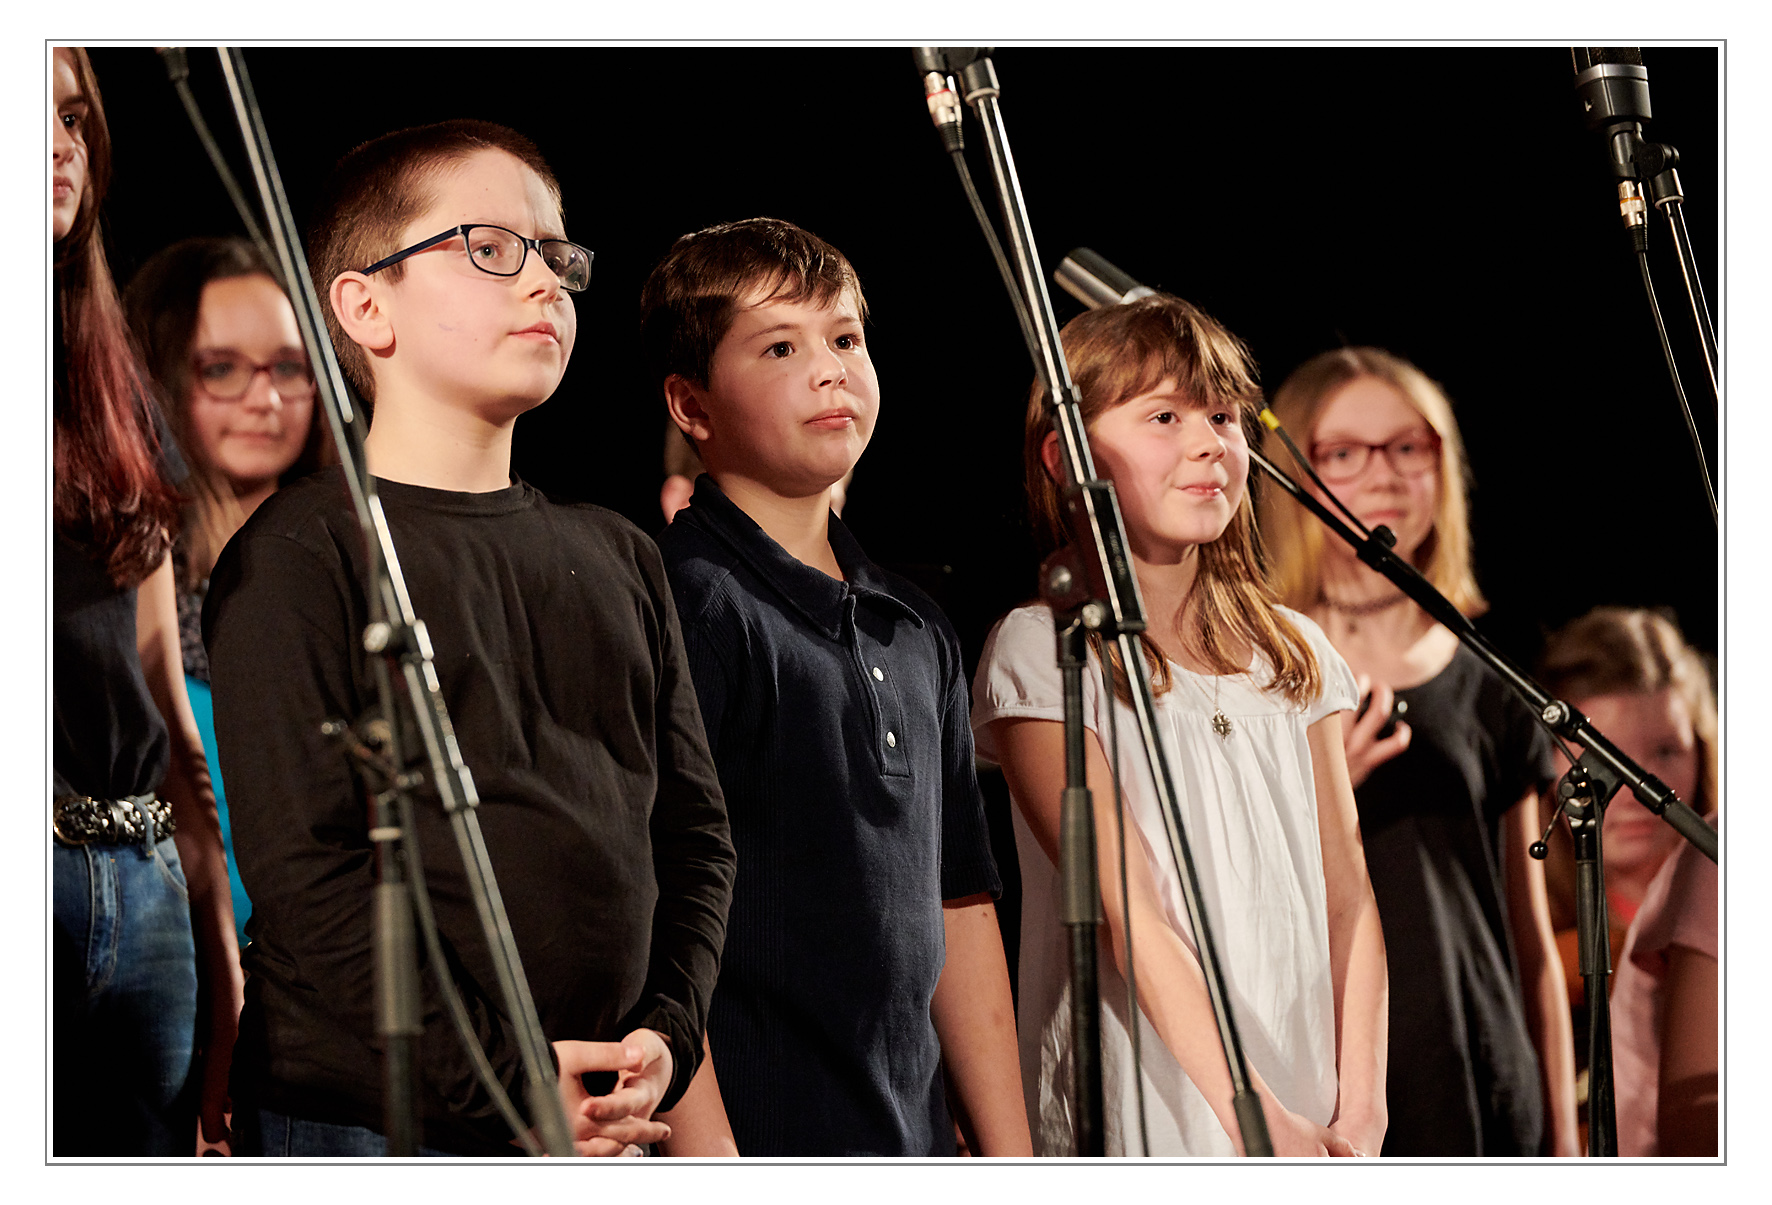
1091,588
396,637
1582,795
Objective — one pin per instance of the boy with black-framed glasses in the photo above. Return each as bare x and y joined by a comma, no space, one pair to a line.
561,661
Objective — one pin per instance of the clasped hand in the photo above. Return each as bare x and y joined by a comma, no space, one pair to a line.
619,1123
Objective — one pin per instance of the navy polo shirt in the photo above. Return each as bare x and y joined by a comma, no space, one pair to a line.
837,715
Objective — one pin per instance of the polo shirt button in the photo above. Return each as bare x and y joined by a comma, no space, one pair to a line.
891,741
878,676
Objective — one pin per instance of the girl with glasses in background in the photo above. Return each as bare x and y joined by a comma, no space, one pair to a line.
224,351
1446,763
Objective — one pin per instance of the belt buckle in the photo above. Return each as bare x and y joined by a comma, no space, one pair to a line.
79,820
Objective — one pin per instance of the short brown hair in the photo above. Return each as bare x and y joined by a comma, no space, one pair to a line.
1114,355
1294,539
688,302
380,187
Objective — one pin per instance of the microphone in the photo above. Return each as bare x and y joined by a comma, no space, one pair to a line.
938,93
1095,282
1613,87
1612,83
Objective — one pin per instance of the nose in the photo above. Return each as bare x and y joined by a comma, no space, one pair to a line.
60,141
538,279
828,369
260,393
1206,442
1381,472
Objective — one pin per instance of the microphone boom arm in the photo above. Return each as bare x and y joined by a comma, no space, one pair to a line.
1555,714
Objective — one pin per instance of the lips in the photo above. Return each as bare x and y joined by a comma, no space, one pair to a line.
832,420
540,329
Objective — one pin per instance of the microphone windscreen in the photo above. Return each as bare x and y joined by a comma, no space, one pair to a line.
1095,282
1630,56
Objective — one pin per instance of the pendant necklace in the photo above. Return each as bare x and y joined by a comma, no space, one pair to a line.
1221,723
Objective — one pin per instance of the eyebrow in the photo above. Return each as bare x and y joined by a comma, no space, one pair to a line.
545,233
773,330
1331,437
842,317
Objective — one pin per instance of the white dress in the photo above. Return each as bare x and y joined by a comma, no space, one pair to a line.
1249,807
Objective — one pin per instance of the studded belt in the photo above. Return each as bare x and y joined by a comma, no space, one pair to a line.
81,820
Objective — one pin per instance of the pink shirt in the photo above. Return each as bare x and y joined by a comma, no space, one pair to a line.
1680,909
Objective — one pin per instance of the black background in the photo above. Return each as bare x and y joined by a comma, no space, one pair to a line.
1443,202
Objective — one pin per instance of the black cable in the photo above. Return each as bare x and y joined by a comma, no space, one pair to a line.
990,234
458,1011
1111,684
179,71
1673,370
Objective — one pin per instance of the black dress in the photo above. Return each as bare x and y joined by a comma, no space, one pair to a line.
1463,1078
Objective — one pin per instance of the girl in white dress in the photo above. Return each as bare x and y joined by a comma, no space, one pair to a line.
1249,703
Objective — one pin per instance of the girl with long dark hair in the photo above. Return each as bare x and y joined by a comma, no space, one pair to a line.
147,975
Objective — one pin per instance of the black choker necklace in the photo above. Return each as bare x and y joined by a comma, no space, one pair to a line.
1361,610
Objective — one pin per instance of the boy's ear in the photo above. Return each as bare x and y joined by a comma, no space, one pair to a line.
359,311
683,398
1049,456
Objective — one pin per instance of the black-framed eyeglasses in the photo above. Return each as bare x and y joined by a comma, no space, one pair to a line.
1410,454
501,252
226,376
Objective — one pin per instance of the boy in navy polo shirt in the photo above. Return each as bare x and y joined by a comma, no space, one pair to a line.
862,951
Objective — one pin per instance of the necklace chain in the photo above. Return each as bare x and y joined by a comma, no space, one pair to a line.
1362,609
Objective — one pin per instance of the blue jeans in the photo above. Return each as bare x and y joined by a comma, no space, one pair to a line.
278,1135
125,970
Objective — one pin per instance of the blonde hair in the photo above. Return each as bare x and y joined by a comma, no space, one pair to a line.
1625,650
1116,354
1294,539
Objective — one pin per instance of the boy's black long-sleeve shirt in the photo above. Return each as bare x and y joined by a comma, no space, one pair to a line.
561,661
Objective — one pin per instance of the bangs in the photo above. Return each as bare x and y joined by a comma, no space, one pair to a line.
1121,352
824,287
